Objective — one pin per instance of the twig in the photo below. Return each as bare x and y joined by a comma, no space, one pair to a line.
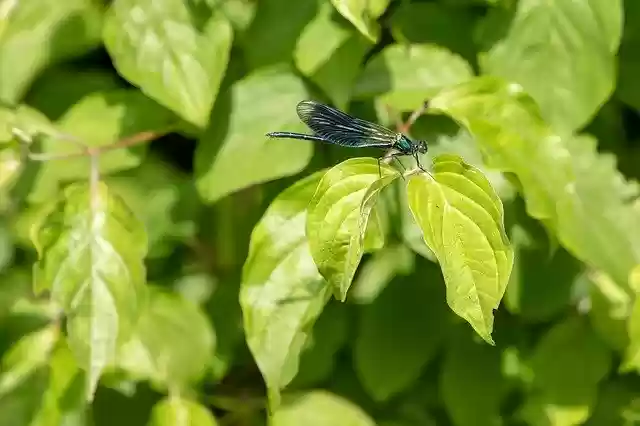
87,151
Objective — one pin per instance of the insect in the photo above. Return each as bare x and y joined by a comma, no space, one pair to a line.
333,126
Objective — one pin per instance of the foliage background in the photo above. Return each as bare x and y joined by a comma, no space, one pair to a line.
174,97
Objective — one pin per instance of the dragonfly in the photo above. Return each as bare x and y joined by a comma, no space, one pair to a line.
333,126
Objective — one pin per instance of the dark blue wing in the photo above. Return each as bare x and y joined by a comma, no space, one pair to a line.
342,129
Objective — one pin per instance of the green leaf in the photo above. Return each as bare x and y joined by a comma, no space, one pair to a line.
448,27
24,123
567,366
632,353
172,343
462,220
26,356
282,293
362,15
100,119
60,88
37,33
21,406
471,382
614,398
541,283
580,38
11,165
266,44
64,398
331,55
91,250
238,155
338,217
378,271
565,182
177,411
400,333
320,408
404,76
318,358
628,89
157,47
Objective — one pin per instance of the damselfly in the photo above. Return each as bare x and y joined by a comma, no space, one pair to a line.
333,126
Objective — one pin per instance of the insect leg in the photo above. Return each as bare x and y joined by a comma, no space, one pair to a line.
384,157
418,163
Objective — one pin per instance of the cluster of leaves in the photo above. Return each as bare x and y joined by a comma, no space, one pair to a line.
162,284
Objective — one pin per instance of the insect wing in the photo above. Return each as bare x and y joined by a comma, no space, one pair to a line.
342,129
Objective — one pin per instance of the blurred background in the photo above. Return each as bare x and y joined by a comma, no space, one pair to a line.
186,89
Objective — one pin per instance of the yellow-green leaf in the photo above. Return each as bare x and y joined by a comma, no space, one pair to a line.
461,218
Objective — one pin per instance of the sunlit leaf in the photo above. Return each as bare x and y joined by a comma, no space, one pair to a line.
564,180
101,118
362,15
282,292
25,356
11,164
320,408
405,76
462,220
580,38
176,411
156,46
567,366
237,155
172,343
471,382
338,218
91,251
36,33
400,332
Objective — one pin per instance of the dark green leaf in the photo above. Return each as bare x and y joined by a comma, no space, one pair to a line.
400,332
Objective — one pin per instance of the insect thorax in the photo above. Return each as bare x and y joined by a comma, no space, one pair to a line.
403,144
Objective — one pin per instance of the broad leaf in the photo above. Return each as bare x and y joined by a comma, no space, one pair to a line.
156,46
579,37
237,155
329,334
448,27
338,218
471,382
26,356
567,366
564,180
379,270
99,119
320,408
177,411
462,220
405,76
362,15
632,352
628,89
172,343
266,44
91,250
331,55
282,292
36,33
400,332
